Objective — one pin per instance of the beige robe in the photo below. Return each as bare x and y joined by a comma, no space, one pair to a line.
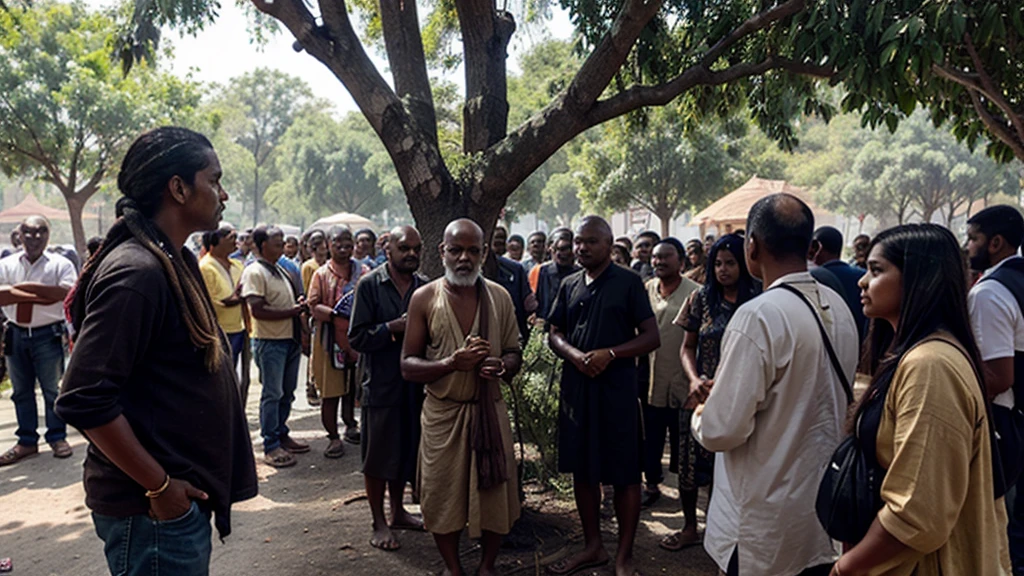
447,472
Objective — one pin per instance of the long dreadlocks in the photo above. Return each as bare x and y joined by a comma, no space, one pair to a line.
152,160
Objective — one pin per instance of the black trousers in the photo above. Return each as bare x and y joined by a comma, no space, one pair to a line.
656,421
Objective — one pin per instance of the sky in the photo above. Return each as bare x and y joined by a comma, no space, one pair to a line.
224,50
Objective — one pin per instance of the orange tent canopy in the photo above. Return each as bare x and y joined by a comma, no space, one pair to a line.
31,207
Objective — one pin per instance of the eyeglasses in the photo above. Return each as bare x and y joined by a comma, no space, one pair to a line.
457,251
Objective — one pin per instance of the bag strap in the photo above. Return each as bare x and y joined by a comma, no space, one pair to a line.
828,343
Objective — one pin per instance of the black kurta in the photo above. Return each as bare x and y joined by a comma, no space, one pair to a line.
390,405
599,422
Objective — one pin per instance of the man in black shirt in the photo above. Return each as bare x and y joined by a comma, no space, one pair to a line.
601,322
552,273
391,406
150,382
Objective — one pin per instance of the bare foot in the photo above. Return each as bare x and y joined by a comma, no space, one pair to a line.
625,569
481,571
579,561
384,539
403,520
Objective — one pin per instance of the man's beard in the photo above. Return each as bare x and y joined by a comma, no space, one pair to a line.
981,262
456,279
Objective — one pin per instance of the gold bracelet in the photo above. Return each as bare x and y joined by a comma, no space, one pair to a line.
156,493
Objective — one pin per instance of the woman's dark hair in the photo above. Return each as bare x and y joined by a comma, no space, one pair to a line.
934,297
746,289
150,163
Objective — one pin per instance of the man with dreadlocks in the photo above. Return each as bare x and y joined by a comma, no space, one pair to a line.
150,382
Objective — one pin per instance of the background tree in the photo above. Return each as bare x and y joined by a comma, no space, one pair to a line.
255,110
325,164
66,112
664,166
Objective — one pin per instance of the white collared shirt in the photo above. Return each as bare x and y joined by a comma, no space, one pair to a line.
49,269
997,324
776,414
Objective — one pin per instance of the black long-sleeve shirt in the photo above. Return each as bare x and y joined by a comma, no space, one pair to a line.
133,357
378,302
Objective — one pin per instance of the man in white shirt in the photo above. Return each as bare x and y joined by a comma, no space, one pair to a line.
994,236
33,284
777,406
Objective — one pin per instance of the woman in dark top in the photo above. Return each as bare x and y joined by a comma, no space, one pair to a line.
150,382
704,317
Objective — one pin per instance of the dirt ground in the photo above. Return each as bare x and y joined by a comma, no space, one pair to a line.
308,520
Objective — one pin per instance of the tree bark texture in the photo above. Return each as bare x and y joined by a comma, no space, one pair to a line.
498,160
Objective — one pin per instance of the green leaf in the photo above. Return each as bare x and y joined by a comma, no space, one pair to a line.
888,53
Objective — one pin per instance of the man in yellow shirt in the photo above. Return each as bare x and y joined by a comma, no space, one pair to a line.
222,275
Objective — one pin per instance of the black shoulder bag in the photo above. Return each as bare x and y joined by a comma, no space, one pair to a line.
849,495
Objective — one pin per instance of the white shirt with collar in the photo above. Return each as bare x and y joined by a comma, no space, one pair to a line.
776,414
997,323
50,269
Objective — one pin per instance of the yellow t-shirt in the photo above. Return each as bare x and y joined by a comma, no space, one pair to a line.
257,280
938,493
308,267
219,286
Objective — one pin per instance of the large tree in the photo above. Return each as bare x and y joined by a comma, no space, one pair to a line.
637,53
256,110
66,111
665,167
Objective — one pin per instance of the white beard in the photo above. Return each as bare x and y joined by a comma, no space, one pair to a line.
458,280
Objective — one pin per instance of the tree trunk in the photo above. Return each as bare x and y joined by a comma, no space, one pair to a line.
256,196
76,206
666,222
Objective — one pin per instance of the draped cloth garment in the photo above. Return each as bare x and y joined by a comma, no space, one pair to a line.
450,495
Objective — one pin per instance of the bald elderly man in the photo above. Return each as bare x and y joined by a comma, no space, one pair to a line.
391,406
461,340
33,284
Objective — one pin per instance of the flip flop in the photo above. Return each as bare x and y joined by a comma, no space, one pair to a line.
565,570
283,459
674,543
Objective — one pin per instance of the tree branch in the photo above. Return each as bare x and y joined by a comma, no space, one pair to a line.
696,75
992,92
610,54
485,36
972,84
408,62
753,24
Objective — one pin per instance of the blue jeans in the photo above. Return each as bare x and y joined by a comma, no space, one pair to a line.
39,356
1015,529
141,546
237,341
278,361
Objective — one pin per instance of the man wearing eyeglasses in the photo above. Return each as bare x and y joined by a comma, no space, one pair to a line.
222,275
461,340
33,284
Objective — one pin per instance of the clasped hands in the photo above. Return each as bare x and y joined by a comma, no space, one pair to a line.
699,390
592,364
474,355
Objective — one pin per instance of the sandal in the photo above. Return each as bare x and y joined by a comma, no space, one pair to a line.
17,453
335,449
294,446
675,542
61,449
565,566
279,458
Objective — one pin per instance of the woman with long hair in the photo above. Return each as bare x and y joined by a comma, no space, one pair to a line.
704,316
926,408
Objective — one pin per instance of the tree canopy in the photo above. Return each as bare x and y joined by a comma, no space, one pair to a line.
66,111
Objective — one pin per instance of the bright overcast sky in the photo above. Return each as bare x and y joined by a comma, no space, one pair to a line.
224,50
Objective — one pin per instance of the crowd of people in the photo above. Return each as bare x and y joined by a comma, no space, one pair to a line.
742,351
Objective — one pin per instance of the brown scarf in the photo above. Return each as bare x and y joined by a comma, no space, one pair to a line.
492,468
